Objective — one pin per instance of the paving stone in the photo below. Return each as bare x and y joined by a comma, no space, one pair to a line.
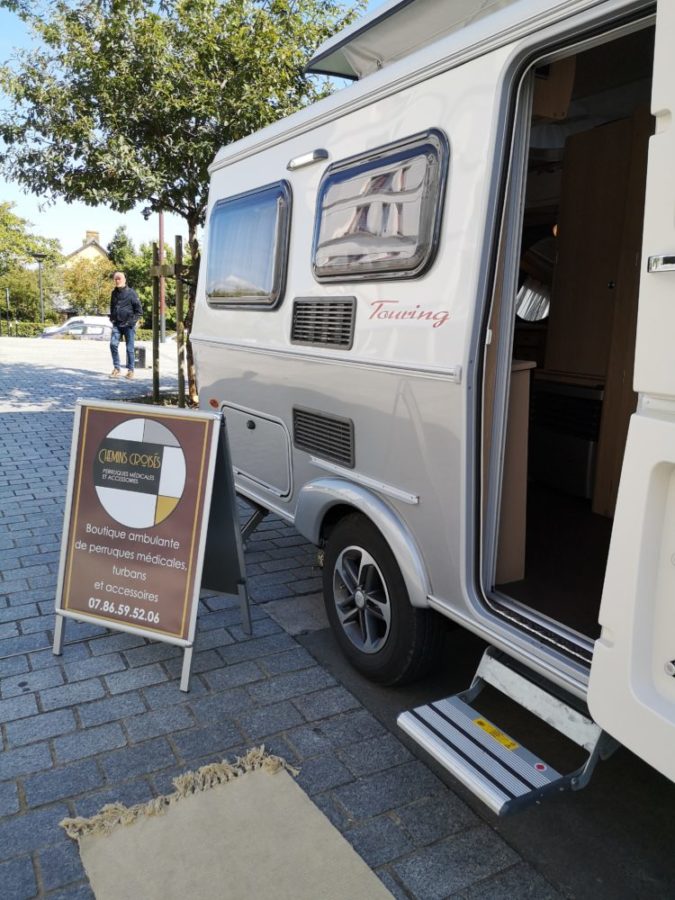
261,627
162,782
228,703
17,879
74,892
110,709
169,693
433,818
63,782
72,694
379,841
330,702
60,866
257,648
80,631
16,613
308,585
17,708
289,661
32,681
89,742
151,653
131,679
262,593
521,881
332,810
8,629
292,684
207,621
391,884
32,831
163,721
233,676
383,791
9,798
455,863
321,773
113,642
217,738
24,760
40,727
216,638
129,793
201,662
374,755
45,659
258,723
340,731
25,643
13,665
79,670
144,759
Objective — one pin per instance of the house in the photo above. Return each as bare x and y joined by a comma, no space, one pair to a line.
91,250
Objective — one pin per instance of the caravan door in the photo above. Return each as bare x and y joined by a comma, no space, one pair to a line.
632,683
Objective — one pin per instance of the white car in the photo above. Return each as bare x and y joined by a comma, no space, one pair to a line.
92,328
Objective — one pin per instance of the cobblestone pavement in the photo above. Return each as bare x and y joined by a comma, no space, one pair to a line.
107,722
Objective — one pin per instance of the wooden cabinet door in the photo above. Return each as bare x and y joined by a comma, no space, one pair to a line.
590,225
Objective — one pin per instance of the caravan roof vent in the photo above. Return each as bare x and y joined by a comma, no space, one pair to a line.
324,321
329,437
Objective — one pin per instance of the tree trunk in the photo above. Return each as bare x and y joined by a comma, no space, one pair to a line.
193,389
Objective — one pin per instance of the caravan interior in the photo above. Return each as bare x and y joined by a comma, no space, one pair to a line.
569,339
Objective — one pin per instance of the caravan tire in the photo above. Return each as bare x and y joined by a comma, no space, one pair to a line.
381,634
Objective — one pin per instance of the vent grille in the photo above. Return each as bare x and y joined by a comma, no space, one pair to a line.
324,322
327,436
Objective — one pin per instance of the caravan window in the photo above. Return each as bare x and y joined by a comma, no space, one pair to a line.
378,214
248,248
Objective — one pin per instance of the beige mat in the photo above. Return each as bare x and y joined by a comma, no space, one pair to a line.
232,832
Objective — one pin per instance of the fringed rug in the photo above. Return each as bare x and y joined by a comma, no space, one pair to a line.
242,831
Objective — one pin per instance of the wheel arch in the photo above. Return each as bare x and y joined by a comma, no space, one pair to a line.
324,502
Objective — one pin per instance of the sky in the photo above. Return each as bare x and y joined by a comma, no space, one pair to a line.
70,222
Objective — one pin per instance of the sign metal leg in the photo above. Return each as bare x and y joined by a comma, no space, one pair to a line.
245,608
185,672
59,622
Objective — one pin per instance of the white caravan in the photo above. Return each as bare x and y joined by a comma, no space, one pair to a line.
437,310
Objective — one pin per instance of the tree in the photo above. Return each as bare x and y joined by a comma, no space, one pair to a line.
136,265
128,101
17,246
86,283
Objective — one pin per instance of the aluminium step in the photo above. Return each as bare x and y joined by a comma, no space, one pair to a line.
501,772
494,766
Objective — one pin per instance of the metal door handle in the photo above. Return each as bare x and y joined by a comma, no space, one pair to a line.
661,264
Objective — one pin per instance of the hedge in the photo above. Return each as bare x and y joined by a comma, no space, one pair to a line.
23,329
33,329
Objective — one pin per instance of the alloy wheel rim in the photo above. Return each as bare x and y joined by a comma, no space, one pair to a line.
361,599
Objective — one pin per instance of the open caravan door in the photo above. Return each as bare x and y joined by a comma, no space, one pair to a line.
632,683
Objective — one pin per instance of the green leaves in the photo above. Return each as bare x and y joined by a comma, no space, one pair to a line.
127,100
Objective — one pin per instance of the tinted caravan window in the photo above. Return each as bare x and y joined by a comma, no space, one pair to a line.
378,214
248,248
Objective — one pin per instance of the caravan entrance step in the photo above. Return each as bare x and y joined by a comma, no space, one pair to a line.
489,762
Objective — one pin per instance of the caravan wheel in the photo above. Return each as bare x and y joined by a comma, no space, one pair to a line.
382,635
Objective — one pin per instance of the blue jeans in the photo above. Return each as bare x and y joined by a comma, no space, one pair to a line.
128,332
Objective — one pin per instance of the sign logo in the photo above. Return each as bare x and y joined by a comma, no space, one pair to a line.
139,473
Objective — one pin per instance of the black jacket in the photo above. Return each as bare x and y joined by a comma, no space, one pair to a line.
125,307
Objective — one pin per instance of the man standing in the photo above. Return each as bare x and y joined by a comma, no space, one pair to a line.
125,311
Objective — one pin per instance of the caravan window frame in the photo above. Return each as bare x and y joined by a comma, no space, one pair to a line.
431,143
280,196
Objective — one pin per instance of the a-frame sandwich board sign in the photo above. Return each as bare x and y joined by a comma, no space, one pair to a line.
150,518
